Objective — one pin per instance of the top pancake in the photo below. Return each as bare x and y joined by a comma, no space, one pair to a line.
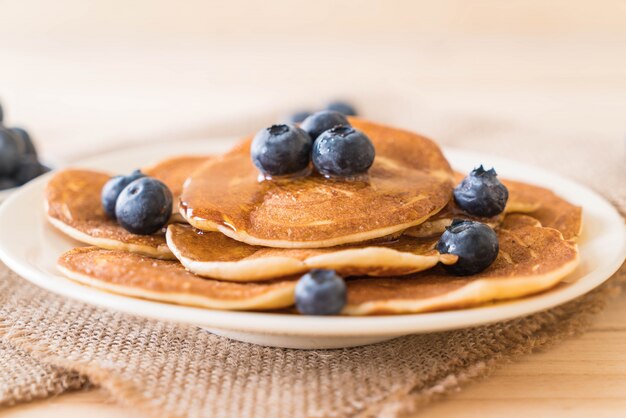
409,181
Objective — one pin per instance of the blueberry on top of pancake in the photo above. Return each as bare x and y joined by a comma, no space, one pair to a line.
409,181
481,193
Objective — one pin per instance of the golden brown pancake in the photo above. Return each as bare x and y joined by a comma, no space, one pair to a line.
437,224
551,210
174,171
409,181
518,220
531,259
168,281
72,200
212,254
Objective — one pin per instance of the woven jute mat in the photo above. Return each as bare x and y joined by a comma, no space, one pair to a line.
49,344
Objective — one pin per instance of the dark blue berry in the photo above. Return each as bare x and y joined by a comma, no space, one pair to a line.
475,243
343,151
297,117
481,193
144,206
322,121
28,169
113,188
26,143
320,292
7,183
342,107
9,152
281,150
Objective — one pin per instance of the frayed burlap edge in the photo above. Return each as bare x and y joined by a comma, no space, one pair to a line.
74,376
46,381
525,336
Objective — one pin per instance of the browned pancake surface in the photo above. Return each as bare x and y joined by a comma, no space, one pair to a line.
120,268
552,210
525,251
73,198
408,182
542,204
174,171
213,247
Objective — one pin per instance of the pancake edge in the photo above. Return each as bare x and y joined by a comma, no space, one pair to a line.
206,225
401,263
161,252
476,293
277,299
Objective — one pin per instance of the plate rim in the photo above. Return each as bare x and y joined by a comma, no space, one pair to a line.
286,324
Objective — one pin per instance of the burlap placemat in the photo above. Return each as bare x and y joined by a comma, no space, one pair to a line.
49,344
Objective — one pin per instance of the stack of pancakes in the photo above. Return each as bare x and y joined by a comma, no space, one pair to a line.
239,242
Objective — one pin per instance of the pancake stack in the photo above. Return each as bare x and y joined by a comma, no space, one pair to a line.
238,242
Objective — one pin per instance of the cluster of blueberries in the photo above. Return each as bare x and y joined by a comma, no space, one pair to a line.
143,205
140,204
324,138
18,157
481,194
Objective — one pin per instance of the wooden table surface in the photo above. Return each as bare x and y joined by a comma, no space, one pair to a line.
561,69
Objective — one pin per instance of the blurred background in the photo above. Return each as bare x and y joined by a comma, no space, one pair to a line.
85,75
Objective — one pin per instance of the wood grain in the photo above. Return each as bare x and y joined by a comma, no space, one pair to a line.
559,66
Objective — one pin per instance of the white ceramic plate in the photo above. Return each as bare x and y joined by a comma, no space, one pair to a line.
30,246
4,194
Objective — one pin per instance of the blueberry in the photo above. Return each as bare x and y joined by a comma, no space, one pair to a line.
475,243
28,169
281,150
113,188
144,206
342,107
27,146
481,193
320,292
7,183
343,151
9,152
322,121
297,117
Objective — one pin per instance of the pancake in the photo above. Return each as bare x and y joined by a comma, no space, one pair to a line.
518,220
409,181
542,204
551,210
531,259
168,281
72,204
212,254
437,224
173,172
